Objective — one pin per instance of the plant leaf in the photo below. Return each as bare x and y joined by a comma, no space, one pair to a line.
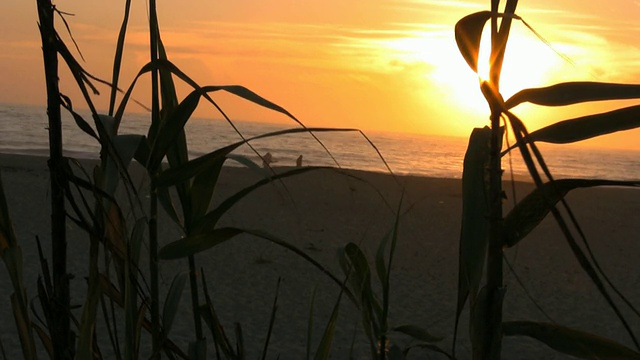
182,173
475,207
417,333
590,126
7,234
171,129
209,221
569,341
172,301
329,332
573,93
531,210
272,320
468,33
193,244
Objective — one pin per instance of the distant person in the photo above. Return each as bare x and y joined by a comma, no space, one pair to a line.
267,159
299,161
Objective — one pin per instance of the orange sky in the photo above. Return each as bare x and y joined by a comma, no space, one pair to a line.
381,65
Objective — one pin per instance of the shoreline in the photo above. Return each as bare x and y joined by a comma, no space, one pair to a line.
320,212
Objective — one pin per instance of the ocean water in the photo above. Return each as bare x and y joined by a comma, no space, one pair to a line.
23,130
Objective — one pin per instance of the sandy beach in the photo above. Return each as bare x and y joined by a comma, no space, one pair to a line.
323,210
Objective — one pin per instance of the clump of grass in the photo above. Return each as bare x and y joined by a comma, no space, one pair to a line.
116,281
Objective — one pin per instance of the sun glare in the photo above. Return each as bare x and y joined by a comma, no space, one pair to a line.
528,63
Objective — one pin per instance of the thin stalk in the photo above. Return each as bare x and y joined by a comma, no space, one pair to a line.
153,221
60,331
193,282
493,341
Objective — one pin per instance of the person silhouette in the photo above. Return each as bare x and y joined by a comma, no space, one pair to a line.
299,161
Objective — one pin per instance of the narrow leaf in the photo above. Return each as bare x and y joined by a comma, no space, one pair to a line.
468,33
172,301
7,234
569,341
272,320
475,207
417,333
172,128
531,210
194,244
182,173
573,93
324,347
586,127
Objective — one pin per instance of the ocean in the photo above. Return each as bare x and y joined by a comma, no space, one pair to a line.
23,130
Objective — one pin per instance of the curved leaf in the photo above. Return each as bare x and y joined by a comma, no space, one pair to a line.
573,93
172,301
209,221
417,333
196,243
531,210
125,147
468,33
475,206
324,347
586,127
196,166
172,127
570,341
355,266
193,244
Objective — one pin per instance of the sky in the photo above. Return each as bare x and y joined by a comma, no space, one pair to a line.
384,65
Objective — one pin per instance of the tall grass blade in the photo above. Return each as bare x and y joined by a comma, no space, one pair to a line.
7,234
132,326
177,153
86,339
210,220
310,324
475,207
531,210
468,34
202,188
587,127
211,319
569,341
200,242
190,169
272,320
356,268
80,121
154,32
117,58
172,301
171,129
417,333
573,93
193,244
324,348
499,41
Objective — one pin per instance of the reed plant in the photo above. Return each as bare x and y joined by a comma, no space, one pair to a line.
487,232
117,284
130,298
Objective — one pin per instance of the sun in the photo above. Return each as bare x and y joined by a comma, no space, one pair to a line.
528,62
